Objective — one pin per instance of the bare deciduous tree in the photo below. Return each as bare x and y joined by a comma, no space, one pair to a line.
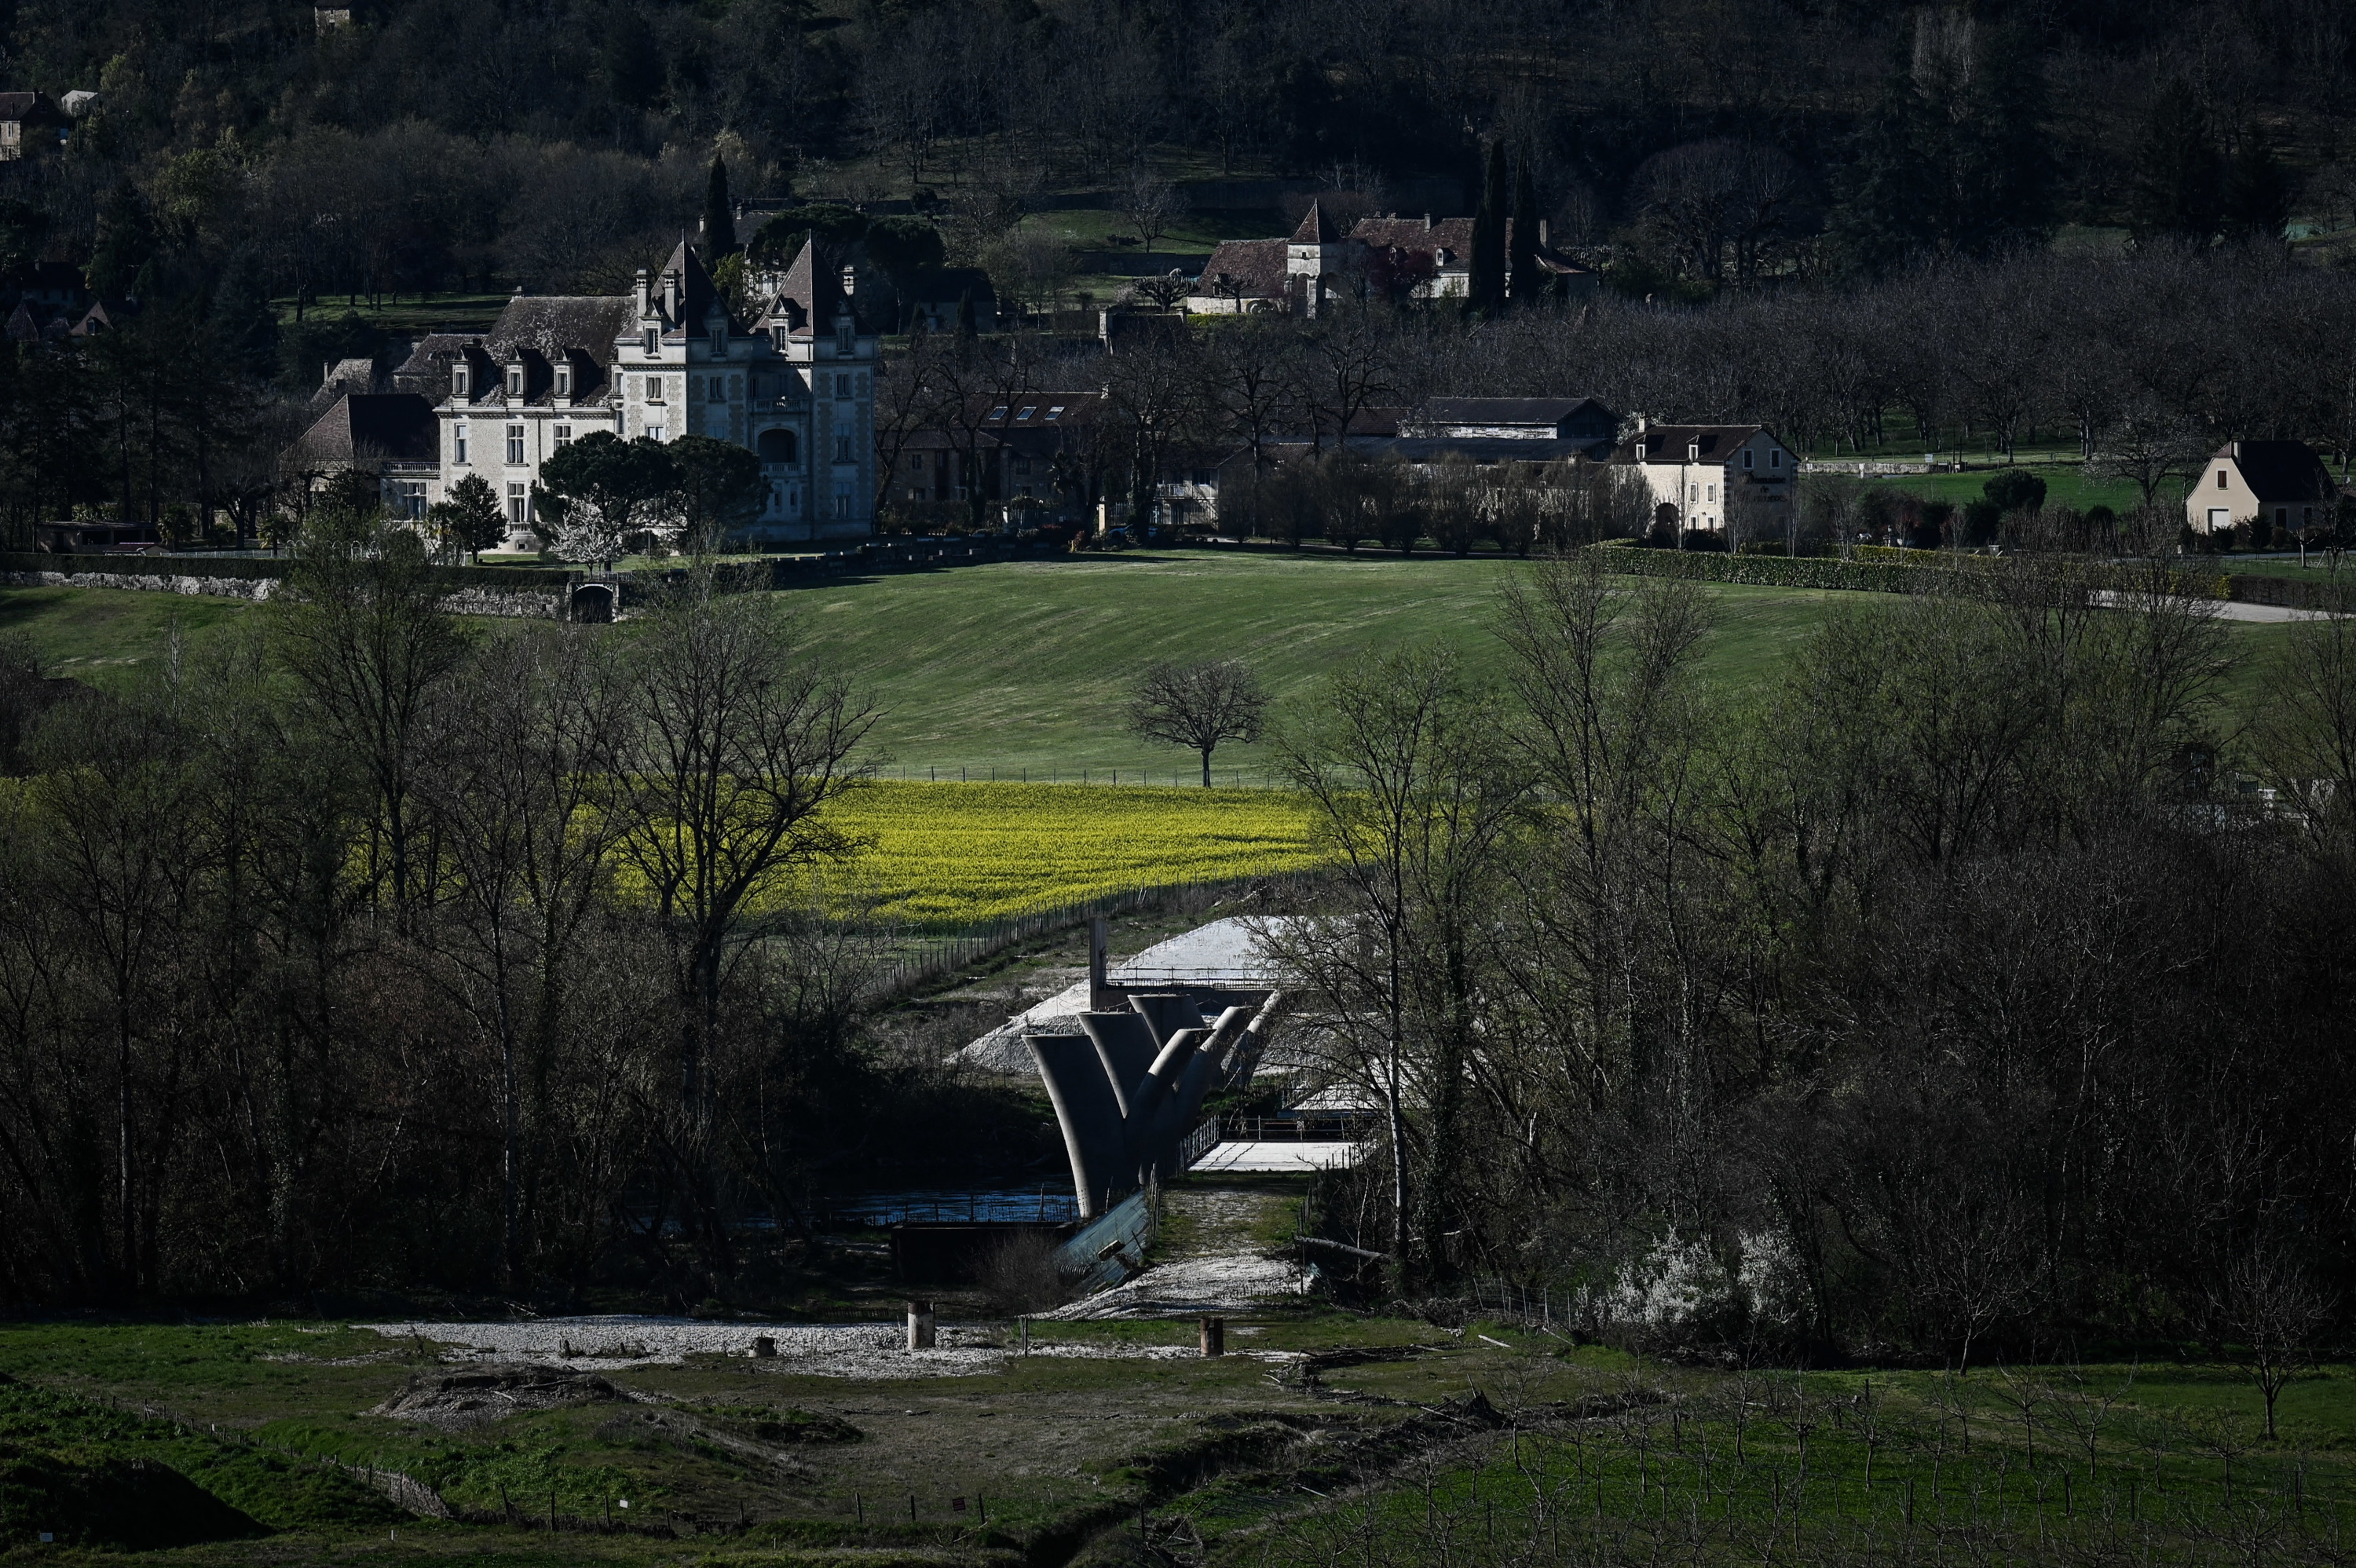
1198,706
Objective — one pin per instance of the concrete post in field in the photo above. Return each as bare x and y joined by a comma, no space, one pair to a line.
1100,997
920,1324
1215,1336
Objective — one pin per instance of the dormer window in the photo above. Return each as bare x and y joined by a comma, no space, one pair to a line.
777,339
846,334
1693,452
564,381
458,382
515,380
653,341
719,338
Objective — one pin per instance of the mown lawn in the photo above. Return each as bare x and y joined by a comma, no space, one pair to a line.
1020,670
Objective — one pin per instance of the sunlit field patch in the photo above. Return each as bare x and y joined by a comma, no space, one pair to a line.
948,854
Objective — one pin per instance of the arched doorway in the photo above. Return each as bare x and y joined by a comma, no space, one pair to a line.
593,603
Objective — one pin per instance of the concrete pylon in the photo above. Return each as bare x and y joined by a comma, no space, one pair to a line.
1124,1105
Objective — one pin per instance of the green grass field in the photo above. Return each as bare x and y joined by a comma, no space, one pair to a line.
1021,669
1404,1443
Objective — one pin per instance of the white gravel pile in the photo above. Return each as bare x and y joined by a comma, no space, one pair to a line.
863,1350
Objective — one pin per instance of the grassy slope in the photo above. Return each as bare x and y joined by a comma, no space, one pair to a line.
1020,669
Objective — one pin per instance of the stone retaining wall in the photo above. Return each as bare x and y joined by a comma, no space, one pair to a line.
254,588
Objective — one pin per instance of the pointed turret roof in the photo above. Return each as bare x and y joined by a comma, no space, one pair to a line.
696,294
812,291
1316,229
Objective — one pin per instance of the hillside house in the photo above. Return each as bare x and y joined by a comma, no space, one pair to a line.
30,123
2268,484
1720,478
1299,274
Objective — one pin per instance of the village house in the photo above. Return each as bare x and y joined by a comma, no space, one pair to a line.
389,434
2268,484
1712,477
1300,274
30,123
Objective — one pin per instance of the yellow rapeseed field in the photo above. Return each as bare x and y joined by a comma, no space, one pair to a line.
953,854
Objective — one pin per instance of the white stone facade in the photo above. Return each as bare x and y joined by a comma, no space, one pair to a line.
797,387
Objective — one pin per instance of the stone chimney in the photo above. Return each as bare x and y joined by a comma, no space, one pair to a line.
645,295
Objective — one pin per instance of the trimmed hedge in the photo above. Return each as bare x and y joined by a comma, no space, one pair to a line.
250,568
1773,570
2290,592
1921,571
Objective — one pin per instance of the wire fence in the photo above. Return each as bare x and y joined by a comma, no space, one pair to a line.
1085,773
932,958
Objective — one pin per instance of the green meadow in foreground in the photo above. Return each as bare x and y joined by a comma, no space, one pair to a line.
1021,669
1327,1438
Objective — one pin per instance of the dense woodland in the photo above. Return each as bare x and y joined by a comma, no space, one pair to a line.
371,952
1961,990
1969,982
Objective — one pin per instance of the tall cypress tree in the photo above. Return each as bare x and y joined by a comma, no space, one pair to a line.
1886,196
2000,161
719,220
1529,282
2256,202
2179,177
1488,272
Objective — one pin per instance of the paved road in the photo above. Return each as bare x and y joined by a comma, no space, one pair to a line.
2234,610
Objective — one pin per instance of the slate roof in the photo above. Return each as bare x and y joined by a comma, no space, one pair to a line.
426,371
28,106
549,325
1316,229
395,425
812,291
2280,470
696,294
1257,267
1452,235
1667,442
1503,411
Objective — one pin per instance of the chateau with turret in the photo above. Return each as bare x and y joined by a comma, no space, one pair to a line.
796,385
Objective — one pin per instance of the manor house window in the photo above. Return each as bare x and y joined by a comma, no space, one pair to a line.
515,443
